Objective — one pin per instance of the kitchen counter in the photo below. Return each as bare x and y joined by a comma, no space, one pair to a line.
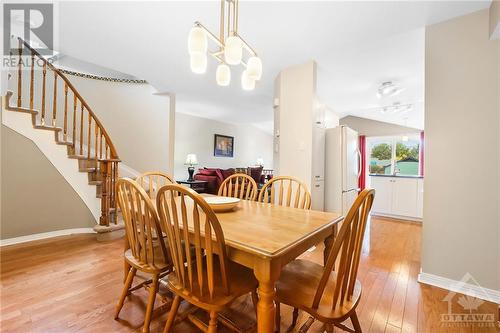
395,176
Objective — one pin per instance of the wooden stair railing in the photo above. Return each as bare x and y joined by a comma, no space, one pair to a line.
82,132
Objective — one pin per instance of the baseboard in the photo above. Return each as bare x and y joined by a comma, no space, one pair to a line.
461,286
397,217
45,235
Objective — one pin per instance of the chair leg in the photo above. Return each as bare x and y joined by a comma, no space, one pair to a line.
126,287
328,328
277,321
295,315
151,303
355,322
171,315
212,324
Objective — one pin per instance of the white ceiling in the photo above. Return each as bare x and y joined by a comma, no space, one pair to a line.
357,46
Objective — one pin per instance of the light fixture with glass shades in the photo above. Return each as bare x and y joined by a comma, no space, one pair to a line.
230,51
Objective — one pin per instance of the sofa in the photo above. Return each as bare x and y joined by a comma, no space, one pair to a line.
215,176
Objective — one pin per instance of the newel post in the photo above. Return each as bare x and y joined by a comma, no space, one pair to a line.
105,170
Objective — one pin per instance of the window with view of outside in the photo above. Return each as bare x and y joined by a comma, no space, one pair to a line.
394,155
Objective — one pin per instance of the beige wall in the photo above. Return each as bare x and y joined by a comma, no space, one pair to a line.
461,230
35,198
196,135
370,127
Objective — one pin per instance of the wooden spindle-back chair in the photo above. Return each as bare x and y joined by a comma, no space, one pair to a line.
240,186
152,181
206,278
330,297
286,191
146,250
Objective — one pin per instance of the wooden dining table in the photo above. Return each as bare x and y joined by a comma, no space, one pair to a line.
266,237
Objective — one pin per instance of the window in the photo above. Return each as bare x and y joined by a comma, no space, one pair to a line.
394,155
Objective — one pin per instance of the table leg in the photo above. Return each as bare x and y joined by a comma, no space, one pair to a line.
267,275
329,243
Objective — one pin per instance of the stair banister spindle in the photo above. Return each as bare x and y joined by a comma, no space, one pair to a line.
19,74
74,121
89,136
81,131
32,79
65,128
96,130
44,74
54,103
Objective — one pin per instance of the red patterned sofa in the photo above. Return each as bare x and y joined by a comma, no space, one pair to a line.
215,176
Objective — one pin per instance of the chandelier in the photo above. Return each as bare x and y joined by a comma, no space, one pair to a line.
229,50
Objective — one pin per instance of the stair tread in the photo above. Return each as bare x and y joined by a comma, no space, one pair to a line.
79,157
23,110
95,182
64,143
48,128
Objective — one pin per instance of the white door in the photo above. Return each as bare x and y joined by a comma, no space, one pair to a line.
404,197
350,157
383,194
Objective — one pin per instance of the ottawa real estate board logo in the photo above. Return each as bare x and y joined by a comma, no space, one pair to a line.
468,306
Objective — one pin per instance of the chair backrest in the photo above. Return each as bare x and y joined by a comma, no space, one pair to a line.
346,248
152,181
297,194
240,186
190,221
142,225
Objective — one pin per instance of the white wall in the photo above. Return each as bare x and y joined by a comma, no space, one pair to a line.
136,120
196,135
371,127
461,232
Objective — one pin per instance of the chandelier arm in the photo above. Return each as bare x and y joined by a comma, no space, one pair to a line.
236,17
210,34
247,46
221,32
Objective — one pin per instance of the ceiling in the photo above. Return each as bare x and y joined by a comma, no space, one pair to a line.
357,45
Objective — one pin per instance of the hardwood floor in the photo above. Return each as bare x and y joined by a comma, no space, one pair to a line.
72,284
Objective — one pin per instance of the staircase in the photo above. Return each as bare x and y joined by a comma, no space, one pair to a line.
43,91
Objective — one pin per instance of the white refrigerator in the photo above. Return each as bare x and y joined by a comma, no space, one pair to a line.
342,168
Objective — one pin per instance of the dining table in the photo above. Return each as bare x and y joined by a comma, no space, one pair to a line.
265,237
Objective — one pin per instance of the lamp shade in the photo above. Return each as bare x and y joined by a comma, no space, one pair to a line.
197,41
254,68
233,50
223,75
198,63
246,82
191,160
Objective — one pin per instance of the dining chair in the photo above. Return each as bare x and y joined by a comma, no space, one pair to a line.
331,293
239,185
208,281
145,251
152,181
297,194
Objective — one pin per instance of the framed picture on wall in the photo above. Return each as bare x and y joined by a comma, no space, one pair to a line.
223,145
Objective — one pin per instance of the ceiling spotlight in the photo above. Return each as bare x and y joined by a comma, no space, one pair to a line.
388,89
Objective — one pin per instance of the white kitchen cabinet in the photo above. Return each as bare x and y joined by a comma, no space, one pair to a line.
383,195
398,196
318,153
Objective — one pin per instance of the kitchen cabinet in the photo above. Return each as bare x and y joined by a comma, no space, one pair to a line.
400,197
317,195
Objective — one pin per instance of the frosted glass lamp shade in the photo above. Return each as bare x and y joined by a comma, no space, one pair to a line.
198,63
246,82
223,75
254,68
233,50
197,41
191,160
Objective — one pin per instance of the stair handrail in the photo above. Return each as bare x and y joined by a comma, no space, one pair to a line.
112,149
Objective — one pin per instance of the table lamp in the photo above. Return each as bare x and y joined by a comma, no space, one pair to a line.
191,160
